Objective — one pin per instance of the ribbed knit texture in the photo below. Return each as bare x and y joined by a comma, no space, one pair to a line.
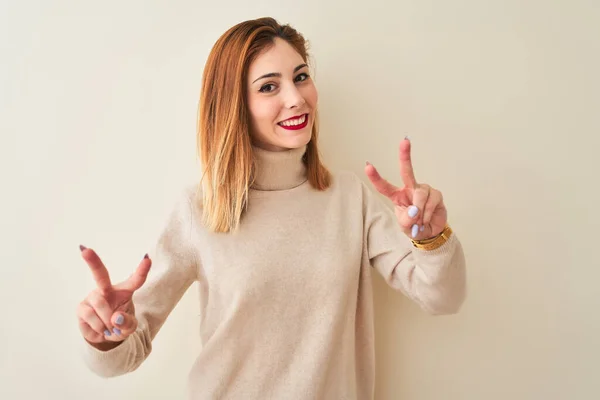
286,302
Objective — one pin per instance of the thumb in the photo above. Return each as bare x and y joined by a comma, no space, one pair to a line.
408,218
124,323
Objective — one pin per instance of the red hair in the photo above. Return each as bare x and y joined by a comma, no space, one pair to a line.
223,135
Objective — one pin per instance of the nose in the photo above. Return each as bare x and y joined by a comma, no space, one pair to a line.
293,97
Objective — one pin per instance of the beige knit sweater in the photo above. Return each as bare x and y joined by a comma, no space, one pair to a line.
286,302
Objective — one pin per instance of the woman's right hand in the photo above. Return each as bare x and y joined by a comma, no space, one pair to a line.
107,315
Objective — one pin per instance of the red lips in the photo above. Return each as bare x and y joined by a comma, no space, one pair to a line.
295,127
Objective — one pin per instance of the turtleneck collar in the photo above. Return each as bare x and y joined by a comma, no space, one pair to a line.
279,170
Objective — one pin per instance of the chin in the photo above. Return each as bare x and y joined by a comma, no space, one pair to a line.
295,141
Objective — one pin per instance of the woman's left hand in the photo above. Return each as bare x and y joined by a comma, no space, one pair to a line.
419,207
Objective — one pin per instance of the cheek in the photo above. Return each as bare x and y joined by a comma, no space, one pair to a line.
265,110
264,115
311,95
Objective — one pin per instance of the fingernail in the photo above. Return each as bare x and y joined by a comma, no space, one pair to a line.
117,331
107,332
146,255
406,137
119,319
82,247
422,228
368,163
413,211
415,230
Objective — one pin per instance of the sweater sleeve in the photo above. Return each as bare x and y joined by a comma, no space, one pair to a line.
172,273
435,280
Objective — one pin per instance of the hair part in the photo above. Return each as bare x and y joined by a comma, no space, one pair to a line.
223,131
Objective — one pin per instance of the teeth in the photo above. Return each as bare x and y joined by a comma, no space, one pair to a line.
294,122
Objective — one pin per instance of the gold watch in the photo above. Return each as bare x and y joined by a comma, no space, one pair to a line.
434,242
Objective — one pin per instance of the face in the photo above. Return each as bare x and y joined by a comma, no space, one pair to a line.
282,99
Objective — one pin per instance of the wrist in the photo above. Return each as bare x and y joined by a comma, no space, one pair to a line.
104,346
435,241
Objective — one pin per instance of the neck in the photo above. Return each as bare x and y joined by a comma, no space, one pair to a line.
279,170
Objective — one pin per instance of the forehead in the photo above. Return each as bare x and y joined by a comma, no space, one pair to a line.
281,57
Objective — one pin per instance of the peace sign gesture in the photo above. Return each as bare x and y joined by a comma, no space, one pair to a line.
419,207
107,313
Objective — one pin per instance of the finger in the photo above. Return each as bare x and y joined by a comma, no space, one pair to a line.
405,219
101,307
434,200
406,167
99,271
87,314
139,276
89,333
420,196
125,324
382,186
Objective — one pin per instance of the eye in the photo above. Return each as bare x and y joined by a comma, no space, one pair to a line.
269,87
302,77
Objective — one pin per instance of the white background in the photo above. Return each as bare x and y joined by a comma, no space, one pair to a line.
501,100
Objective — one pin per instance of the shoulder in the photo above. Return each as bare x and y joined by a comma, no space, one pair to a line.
186,201
192,192
349,188
355,189
347,182
190,196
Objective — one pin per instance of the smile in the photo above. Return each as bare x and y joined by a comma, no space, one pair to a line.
295,123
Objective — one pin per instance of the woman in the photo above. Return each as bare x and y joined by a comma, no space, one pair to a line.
282,250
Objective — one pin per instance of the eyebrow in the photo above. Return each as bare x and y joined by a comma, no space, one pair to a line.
277,74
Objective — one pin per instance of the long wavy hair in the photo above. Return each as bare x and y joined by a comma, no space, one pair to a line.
223,130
